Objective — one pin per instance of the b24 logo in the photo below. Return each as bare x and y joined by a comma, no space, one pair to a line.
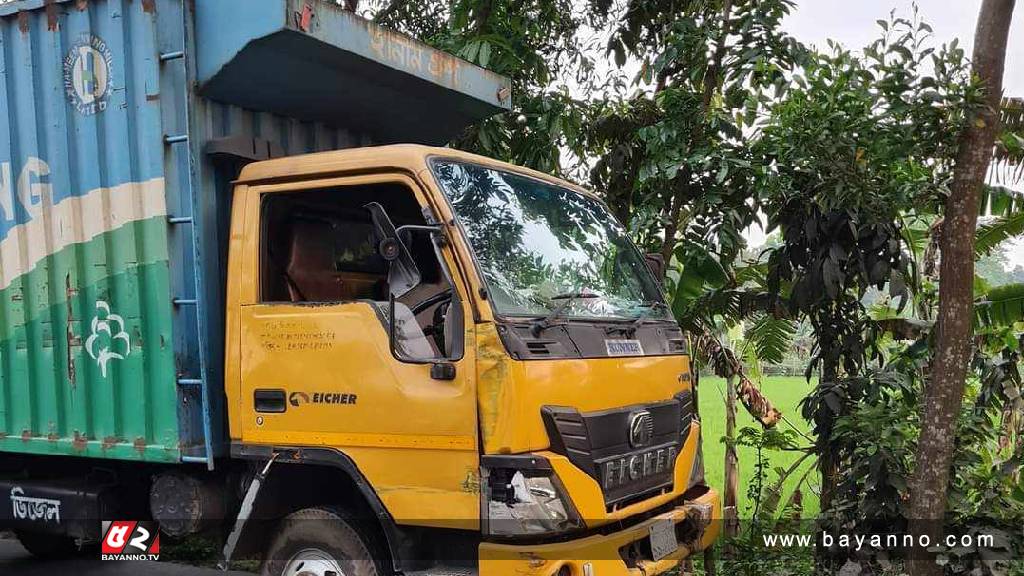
130,540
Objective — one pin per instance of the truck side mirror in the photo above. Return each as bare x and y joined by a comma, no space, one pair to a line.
406,337
656,264
409,343
403,274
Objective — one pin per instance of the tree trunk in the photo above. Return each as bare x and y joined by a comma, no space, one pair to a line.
944,394
710,563
674,208
711,75
732,474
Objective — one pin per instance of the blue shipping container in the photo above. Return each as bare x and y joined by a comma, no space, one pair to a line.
122,124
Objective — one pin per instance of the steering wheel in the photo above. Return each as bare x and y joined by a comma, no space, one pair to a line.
442,296
442,300
438,327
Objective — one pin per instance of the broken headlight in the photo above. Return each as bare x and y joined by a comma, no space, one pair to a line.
525,501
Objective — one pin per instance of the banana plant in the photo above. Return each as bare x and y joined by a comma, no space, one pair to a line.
709,298
1001,307
998,230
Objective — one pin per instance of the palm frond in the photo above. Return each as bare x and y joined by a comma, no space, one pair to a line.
1011,114
771,337
1002,306
1009,149
991,234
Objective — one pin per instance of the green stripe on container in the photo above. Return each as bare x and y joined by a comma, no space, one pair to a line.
54,398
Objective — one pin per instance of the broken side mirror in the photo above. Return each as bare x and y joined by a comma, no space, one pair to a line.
656,264
403,274
410,344
406,336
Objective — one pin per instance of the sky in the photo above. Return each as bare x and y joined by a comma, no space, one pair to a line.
853,24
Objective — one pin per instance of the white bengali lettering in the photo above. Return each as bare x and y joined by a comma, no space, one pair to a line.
34,509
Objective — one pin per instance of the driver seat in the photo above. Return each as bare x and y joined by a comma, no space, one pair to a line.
312,270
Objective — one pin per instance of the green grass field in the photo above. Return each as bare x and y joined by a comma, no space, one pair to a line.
785,392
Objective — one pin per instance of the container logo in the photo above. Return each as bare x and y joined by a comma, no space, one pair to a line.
108,340
87,78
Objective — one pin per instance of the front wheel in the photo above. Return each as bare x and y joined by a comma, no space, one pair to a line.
320,542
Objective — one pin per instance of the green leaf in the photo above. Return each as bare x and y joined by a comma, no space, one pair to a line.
771,337
619,53
991,234
723,172
904,52
701,271
1002,306
484,57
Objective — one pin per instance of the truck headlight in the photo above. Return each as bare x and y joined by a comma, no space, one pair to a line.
525,501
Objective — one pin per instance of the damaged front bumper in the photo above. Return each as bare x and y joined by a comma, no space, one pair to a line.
626,552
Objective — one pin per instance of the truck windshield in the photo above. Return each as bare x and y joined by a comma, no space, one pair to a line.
544,248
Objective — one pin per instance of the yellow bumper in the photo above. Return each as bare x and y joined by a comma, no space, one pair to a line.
601,554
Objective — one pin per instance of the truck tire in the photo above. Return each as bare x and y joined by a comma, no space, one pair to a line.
48,546
319,542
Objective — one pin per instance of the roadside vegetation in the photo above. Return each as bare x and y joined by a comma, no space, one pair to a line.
885,172
786,393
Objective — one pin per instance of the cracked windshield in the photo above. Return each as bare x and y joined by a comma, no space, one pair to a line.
545,249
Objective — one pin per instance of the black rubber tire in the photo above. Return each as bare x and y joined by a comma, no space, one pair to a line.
48,546
329,530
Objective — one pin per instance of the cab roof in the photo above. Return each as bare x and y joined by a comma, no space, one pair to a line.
399,157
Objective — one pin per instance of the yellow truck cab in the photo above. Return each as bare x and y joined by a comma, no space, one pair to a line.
474,352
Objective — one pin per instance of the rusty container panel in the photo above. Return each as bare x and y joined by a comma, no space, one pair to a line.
87,362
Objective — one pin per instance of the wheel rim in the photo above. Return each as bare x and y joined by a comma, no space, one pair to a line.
313,562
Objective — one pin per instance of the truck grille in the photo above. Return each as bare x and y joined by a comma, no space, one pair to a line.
629,451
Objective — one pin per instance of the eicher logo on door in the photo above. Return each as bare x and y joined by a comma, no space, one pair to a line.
130,540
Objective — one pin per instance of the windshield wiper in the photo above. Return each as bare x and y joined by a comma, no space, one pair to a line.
648,306
653,305
566,299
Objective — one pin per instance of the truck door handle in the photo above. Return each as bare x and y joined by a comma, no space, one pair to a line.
271,401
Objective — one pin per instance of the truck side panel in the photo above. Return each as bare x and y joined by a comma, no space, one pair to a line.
87,363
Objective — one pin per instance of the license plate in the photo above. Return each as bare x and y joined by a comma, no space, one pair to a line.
624,347
663,539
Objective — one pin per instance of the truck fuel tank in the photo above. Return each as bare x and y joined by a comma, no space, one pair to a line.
67,506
